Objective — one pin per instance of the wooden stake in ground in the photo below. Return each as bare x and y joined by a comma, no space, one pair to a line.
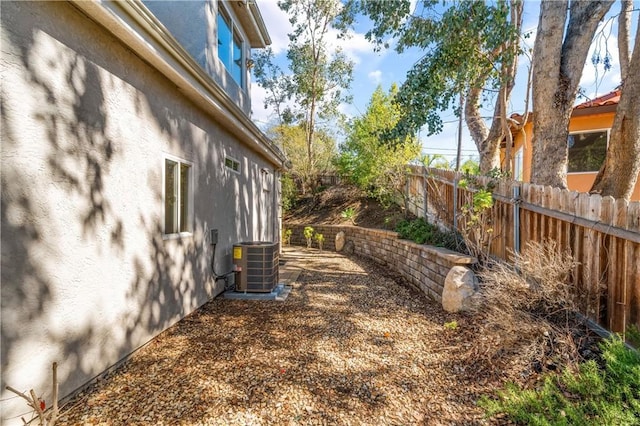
38,405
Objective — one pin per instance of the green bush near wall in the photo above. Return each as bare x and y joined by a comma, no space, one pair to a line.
422,232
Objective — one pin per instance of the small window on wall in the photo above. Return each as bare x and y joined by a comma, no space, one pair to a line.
587,151
232,164
178,181
267,180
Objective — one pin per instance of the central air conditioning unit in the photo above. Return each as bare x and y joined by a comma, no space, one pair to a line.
256,266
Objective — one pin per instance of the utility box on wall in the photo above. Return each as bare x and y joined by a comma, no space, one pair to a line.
256,265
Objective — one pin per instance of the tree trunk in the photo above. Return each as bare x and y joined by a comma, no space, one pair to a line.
505,131
487,139
310,148
557,71
508,81
624,24
618,175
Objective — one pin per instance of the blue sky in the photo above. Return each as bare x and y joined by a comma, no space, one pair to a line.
386,67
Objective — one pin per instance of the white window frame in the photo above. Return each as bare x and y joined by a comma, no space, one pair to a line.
577,132
190,197
518,164
234,161
235,34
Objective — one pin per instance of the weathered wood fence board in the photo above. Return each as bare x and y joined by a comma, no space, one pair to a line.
602,234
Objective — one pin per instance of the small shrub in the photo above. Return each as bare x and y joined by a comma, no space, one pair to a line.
528,309
452,325
419,230
586,395
476,223
319,239
476,216
308,235
350,214
422,232
287,236
387,221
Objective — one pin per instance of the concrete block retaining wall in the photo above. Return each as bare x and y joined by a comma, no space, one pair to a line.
423,266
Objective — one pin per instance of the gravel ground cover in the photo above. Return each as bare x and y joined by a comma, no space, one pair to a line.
352,345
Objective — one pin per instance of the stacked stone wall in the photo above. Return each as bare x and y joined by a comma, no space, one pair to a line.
423,266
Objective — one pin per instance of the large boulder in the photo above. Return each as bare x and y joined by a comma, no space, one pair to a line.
459,287
340,240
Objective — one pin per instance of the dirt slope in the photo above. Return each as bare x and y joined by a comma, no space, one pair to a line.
327,206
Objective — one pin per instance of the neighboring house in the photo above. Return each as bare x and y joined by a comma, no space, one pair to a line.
589,129
126,138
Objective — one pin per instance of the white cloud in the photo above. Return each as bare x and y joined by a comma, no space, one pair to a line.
278,25
264,117
375,76
347,109
354,46
260,115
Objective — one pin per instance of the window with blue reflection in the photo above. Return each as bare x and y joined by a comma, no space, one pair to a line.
230,48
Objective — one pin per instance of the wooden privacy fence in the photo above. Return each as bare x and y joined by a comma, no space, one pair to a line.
602,234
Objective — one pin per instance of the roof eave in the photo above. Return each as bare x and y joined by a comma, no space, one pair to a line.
252,23
594,110
137,28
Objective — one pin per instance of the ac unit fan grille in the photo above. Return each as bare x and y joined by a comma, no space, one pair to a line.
258,264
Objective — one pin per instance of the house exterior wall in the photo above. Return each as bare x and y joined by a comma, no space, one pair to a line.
194,25
580,182
87,275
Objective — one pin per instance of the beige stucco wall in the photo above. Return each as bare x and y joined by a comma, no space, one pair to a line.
86,274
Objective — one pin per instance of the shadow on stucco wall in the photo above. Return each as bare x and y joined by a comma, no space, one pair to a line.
70,86
24,301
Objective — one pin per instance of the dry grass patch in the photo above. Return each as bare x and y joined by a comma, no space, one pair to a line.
529,310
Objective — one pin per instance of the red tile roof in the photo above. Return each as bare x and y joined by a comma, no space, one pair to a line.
611,98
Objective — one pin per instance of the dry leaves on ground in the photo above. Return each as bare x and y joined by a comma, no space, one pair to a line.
350,346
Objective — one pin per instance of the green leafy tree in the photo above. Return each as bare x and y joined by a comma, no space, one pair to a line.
289,192
436,161
319,78
470,167
378,168
292,140
277,84
469,46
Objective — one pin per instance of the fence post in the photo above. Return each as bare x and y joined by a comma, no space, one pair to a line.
425,188
516,218
455,202
407,192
